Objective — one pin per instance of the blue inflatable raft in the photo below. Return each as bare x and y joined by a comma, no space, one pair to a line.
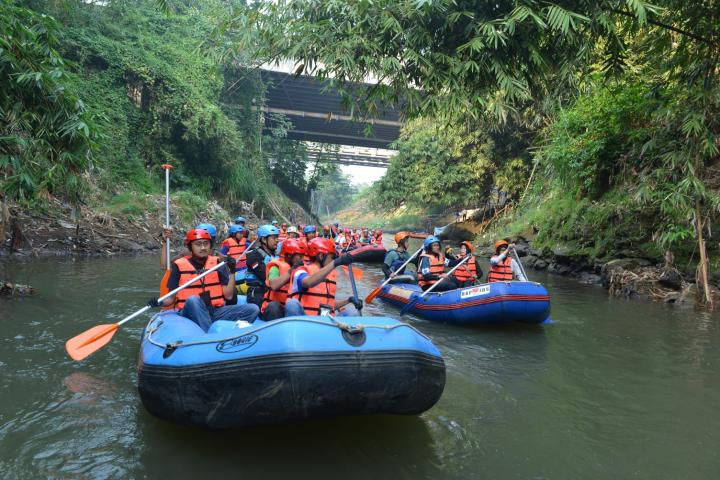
489,303
289,369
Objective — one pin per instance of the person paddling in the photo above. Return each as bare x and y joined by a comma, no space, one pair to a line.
431,269
257,260
315,285
277,280
469,273
396,257
205,301
503,268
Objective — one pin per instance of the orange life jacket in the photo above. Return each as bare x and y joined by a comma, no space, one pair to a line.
323,292
437,267
235,250
210,283
502,272
283,235
467,271
279,295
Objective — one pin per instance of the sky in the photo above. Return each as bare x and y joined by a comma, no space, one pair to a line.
360,175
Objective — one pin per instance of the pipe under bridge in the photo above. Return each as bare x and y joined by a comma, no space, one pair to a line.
317,116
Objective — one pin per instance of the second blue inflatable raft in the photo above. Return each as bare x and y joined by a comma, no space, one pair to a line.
488,303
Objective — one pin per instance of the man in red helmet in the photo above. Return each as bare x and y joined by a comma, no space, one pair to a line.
277,280
206,300
314,285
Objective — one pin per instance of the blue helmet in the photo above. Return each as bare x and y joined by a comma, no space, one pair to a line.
235,229
309,229
429,241
208,228
239,220
267,230
274,222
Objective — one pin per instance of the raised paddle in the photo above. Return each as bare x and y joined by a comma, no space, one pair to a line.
163,283
377,290
417,298
522,269
83,345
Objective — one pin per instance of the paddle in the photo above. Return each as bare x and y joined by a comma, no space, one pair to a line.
522,269
377,290
417,298
88,342
354,287
163,283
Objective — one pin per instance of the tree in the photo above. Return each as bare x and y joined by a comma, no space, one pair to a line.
45,132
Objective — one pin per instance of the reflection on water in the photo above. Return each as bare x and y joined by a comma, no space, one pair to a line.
613,389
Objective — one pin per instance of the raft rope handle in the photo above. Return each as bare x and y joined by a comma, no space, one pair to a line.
342,326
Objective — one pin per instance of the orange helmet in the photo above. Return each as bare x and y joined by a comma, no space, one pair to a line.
319,245
400,236
468,245
292,246
196,234
500,243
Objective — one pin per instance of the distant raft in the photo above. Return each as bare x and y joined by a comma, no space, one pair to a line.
291,369
368,254
489,303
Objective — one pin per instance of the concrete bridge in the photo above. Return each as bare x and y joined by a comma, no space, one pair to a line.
317,116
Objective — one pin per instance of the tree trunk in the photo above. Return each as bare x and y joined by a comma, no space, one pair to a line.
702,271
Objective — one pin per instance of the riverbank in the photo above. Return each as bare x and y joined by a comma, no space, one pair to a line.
130,224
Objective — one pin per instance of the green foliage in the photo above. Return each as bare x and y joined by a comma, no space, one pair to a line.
459,57
587,145
333,193
442,165
46,133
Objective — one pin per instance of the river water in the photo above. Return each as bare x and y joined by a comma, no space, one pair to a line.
613,389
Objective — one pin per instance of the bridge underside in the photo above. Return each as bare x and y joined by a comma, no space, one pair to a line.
317,116
354,157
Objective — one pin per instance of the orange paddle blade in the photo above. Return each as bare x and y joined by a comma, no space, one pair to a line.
83,345
371,296
357,273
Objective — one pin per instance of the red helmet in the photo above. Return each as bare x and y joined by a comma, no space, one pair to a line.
196,234
319,245
284,225
347,230
326,228
291,246
378,232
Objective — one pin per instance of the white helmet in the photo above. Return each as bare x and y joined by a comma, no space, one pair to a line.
292,230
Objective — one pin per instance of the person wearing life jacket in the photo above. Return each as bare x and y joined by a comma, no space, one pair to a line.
344,239
327,232
283,232
469,273
277,280
396,257
167,233
315,285
257,259
431,269
241,221
206,300
503,268
234,246
310,232
378,237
